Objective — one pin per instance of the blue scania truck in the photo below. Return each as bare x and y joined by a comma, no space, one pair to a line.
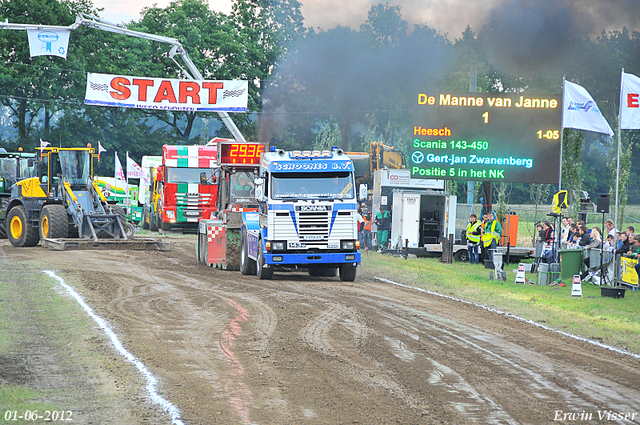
307,216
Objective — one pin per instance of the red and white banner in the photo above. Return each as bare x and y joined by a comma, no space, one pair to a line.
166,93
630,106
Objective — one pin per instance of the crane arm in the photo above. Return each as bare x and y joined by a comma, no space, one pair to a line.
177,48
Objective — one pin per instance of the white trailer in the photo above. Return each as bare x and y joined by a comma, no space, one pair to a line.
422,211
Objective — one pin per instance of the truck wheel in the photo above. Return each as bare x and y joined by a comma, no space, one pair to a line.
145,224
348,272
247,265
19,231
3,232
323,272
462,255
262,272
53,222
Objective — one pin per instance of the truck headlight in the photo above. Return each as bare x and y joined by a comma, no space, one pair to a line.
171,214
348,245
278,245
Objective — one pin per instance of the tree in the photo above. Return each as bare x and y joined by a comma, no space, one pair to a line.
385,25
35,88
572,144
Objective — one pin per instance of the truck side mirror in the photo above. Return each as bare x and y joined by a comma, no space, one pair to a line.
259,185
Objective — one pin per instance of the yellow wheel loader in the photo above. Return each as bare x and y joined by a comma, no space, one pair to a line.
63,201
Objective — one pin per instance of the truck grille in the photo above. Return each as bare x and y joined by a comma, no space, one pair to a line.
194,200
313,224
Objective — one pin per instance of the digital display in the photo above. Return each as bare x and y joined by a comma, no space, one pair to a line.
231,153
511,137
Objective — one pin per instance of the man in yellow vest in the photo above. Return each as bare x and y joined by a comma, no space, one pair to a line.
473,238
490,235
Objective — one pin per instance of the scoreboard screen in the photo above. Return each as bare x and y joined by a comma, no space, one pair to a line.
510,137
232,153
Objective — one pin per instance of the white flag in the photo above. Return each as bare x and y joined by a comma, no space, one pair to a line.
630,107
134,171
100,148
43,144
49,42
119,174
580,111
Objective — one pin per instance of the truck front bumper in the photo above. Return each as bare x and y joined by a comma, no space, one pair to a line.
309,258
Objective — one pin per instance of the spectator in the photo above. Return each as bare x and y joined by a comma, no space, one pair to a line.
367,229
630,231
566,230
473,238
383,222
490,235
636,254
624,245
547,237
609,244
611,228
595,242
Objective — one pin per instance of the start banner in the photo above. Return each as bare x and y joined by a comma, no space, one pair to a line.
166,93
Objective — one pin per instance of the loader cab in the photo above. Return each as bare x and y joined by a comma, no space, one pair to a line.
74,165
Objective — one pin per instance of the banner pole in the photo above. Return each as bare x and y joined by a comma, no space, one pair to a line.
618,154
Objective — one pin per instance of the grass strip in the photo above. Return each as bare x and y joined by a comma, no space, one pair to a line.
614,322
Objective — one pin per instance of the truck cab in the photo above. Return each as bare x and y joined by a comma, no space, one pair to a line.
307,217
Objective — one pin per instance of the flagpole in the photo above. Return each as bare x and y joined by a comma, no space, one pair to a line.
561,137
115,174
618,154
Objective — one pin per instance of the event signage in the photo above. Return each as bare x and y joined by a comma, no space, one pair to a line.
486,136
240,153
166,93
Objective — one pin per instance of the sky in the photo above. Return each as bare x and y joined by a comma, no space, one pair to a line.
448,17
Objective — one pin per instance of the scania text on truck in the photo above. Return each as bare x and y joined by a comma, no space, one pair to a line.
184,187
307,217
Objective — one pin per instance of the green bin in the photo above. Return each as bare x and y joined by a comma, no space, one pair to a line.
570,263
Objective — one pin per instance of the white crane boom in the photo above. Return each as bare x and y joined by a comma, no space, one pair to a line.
93,22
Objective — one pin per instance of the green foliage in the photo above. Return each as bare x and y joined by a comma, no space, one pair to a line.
300,80
572,145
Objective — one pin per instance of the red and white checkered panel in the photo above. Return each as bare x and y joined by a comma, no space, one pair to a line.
213,232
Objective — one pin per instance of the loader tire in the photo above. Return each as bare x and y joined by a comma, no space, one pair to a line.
145,224
53,222
3,232
129,229
152,223
20,232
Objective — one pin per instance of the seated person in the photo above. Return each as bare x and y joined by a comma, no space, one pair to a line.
634,253
608,244
243,187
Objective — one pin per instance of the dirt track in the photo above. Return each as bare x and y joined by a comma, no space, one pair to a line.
232,349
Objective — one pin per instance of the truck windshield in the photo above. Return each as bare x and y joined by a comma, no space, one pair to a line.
76,166
337,185
190,175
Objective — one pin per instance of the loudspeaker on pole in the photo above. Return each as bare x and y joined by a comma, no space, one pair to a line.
603,203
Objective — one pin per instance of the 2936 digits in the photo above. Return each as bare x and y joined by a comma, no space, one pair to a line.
33,415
